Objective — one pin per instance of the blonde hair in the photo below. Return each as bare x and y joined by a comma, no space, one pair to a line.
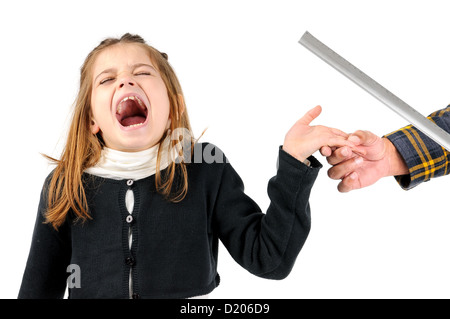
83,149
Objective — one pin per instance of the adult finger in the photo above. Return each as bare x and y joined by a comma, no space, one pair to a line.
339,155
345,168
349,183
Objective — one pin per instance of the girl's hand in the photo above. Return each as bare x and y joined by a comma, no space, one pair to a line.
302,140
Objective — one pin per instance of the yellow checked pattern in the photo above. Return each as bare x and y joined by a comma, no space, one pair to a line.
425,158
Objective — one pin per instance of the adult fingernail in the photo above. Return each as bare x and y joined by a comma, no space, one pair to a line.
358,160
355,139
344,152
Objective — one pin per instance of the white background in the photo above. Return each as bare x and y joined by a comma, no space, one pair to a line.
247,80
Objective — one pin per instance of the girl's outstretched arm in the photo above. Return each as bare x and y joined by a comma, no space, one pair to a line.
267,244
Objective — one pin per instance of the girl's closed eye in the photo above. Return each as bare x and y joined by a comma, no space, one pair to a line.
110,79
104,81
144,73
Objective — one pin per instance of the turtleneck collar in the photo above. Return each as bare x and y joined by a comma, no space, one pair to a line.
119,165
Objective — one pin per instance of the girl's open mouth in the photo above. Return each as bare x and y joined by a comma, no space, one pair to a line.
131,112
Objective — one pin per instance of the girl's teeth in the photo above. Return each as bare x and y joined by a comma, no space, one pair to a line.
141,103
134,125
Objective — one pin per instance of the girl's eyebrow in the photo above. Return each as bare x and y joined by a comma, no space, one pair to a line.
134,66
103,72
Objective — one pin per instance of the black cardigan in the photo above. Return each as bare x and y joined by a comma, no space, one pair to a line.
175,245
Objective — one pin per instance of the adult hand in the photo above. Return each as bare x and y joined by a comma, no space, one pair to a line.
374,158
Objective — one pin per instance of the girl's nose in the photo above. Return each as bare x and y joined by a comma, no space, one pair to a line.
126,81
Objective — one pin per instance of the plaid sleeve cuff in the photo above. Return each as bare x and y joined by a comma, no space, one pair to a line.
425,158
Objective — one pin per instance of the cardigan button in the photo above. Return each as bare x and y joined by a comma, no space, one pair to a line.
130,182
136,296
130,261
129,219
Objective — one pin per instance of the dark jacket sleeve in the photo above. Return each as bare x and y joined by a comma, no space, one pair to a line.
267,244
45,272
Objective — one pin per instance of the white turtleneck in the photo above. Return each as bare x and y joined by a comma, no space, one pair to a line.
130,165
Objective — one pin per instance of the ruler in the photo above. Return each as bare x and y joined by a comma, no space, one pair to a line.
426,126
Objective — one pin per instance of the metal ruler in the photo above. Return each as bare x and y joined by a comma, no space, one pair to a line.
433,131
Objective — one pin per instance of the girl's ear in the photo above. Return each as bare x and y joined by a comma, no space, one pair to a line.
94,127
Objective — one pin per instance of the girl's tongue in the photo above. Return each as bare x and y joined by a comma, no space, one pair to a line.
133,120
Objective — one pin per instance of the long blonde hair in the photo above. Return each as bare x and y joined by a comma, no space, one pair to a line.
83,149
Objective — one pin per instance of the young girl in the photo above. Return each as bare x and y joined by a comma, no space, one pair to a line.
133,210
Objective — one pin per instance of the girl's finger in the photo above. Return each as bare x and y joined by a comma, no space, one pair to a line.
325,151
338,132
339,141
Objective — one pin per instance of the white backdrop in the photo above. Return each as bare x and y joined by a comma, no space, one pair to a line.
247,80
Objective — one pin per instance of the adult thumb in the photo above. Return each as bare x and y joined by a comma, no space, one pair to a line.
363,138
